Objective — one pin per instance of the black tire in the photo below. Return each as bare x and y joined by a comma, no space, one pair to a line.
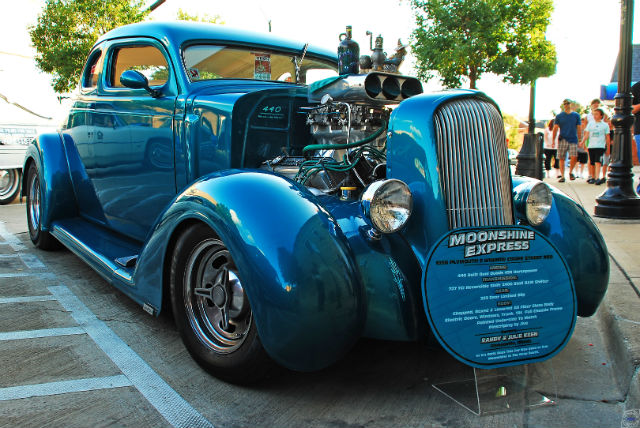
9,185
205,286
40,238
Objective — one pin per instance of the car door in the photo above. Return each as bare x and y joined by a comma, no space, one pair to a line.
133,143
78,132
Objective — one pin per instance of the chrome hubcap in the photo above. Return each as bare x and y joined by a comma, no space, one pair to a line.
215,303
34,203
8,182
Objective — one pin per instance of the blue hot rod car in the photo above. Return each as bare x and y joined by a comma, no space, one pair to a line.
283,211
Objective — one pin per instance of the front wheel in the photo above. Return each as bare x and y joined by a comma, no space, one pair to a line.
212,311
9,185
40,238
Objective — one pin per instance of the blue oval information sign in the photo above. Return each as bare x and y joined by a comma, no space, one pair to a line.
498,297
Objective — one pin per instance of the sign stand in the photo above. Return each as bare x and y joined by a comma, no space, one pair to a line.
504,389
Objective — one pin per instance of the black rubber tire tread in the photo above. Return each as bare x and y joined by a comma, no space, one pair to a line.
40,238
250,362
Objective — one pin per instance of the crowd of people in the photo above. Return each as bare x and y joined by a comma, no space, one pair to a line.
584,140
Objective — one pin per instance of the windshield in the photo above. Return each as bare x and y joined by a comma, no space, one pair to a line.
206,62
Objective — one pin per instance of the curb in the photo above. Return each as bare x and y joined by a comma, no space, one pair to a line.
618,334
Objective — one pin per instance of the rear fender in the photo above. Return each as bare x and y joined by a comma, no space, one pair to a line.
293,260
46,151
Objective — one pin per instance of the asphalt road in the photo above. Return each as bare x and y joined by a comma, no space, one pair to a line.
75,352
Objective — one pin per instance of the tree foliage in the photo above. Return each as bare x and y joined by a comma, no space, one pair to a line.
66,31
184,16
467,38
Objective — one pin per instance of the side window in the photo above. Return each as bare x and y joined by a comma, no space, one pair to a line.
92,70
148,60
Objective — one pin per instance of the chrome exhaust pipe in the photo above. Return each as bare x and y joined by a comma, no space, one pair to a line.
372,88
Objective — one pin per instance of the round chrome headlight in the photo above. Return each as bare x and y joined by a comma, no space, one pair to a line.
538,203
387,205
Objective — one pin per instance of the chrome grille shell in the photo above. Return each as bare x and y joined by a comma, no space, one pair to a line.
473,164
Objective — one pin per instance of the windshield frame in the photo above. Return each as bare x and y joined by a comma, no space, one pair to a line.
330,62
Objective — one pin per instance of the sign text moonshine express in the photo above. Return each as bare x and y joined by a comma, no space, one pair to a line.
492,241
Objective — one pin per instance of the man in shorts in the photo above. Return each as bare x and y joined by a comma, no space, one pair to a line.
567,122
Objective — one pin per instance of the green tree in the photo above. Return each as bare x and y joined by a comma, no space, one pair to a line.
467,38
66,31
184,16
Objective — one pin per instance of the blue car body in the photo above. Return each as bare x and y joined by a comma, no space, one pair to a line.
130,172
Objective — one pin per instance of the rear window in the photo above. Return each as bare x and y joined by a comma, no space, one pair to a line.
207,62
92,70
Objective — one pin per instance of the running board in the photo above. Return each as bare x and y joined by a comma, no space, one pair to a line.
107,254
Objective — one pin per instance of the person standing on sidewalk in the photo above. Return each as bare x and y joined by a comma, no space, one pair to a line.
583,155
606,158
597,133
550,148
567,122
595,103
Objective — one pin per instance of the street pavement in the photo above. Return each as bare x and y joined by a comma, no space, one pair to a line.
76,352
620,311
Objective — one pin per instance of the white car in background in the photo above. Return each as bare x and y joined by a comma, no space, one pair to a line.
13,145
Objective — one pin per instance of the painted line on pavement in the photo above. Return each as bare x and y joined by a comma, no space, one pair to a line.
175,409
26,299
10,238
63,387
30,260
43,275
46,332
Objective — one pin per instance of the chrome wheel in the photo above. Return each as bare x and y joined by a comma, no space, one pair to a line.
212,309
34,202
215,303
9,185
40,238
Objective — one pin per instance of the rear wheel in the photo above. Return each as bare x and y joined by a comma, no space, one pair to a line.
9,185
212,311
40,238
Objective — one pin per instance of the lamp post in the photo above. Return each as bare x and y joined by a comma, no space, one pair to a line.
529,160
619,200
155,5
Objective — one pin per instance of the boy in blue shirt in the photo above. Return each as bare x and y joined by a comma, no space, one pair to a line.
567,123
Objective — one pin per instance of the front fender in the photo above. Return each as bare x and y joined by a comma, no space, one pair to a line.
47,152
578,239
292,258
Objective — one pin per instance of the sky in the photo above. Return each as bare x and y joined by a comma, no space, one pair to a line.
586,34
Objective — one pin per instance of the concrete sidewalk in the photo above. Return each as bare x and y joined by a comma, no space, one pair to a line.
620,311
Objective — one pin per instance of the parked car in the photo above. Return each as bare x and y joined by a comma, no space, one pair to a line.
513,155
10,179
14,140
11,159
291,210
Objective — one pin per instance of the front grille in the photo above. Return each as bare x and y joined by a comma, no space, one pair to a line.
473,163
